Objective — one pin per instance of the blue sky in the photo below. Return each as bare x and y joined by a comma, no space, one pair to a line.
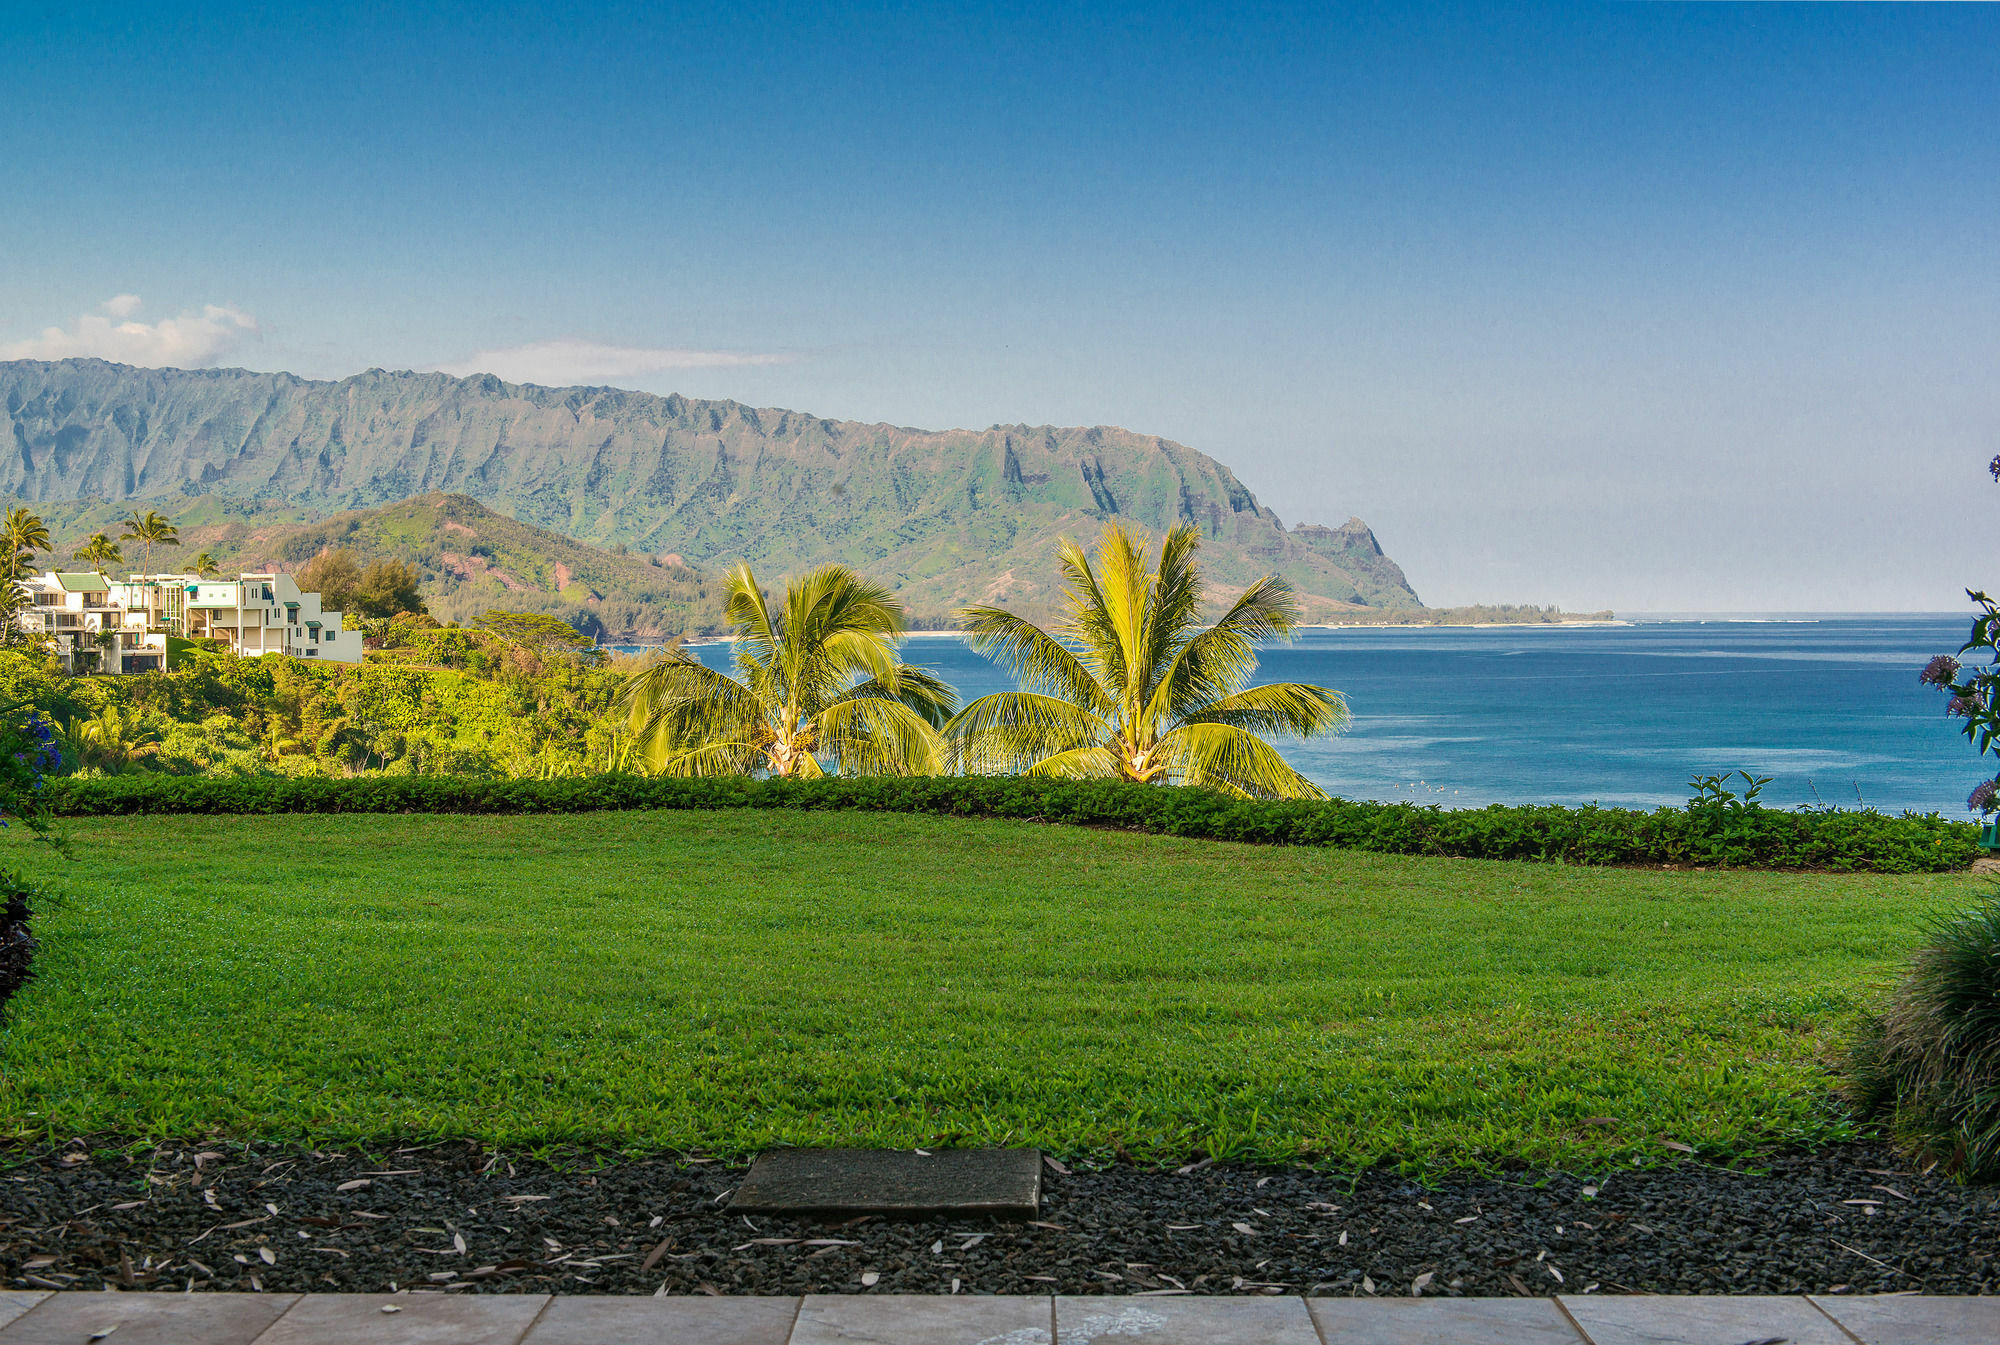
1641,306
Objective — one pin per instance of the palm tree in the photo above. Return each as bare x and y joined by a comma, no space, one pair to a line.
204,565
22,534
1130,687
819,675
152,529
100,550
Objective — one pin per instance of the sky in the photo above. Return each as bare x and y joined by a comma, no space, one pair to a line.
1648,307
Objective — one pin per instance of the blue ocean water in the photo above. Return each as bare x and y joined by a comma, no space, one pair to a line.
1620,715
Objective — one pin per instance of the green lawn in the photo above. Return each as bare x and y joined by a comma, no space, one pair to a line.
725,980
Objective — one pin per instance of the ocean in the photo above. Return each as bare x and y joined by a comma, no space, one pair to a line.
1828,706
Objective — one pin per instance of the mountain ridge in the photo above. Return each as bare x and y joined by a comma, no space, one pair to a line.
946,517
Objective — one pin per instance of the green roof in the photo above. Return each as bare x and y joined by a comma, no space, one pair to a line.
83,583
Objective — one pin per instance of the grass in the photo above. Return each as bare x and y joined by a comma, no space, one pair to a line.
725,980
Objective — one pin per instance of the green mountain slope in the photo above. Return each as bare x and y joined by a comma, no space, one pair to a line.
471,559
947,517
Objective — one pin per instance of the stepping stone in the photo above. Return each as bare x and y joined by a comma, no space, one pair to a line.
1647,1319
1105,1319
418,1319
147,1319
1425,1321
897,1183
1908,1319
591,1319
923,1319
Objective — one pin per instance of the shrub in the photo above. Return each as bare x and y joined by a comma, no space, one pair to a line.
1929,1066
27,750
1746,837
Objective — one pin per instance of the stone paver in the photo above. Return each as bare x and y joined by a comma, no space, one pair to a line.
922,1319
1646,1319
666,1321
1184,1321
1884,1319
14,1302
147,1319
899,1183
1442,1321
419,1319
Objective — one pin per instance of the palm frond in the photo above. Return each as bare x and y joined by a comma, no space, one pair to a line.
877,736
1079,763
707,760
1088,620
1038,660
1224,757
1011,730
743,607
1218,661
679,706
1175,609
933,699
1295,708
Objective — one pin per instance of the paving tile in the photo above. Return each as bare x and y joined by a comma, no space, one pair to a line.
1172,1320
147,1319
604,1320
1909,1319
420,1319
922,1319
1442,1321
14,1302
1644,1319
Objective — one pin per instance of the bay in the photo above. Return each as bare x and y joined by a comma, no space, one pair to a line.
1623,715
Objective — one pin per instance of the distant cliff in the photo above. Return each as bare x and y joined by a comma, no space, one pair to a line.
948,516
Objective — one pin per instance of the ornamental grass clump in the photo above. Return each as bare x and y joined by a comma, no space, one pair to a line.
1929,1066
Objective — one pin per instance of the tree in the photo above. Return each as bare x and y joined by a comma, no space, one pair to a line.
1130,686
22,535
1975,692
152,529
204,565
819,675
533,630
389,588
336,577
100,550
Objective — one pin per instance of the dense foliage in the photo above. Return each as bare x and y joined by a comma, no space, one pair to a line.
466,702
27,753
1697,835
1929,1066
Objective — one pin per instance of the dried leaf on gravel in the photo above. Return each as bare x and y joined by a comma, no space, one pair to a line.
1421,1283
357,1184
1245,1229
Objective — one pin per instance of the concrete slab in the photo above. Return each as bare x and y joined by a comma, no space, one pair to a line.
147,1319
666,1321
1910,1319
1442,1321
418,1319
1004,1183
1172,1320
1645,1319
14,1302
923,1319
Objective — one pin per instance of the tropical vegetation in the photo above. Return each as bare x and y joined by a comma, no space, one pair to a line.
1928,1066
1132,686
816,677
150,529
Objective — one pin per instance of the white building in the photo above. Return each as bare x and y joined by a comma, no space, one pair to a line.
127,621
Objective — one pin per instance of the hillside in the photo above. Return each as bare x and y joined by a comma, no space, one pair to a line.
471,559
947,517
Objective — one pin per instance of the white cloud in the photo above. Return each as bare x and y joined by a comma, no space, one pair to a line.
563,363
187,342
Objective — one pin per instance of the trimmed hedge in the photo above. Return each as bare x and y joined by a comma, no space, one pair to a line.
1752,837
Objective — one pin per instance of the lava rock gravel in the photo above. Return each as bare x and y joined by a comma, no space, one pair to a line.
456,1217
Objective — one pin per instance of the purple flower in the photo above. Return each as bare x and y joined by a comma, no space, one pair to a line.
1965,707
1939,671
1982,796
1994,467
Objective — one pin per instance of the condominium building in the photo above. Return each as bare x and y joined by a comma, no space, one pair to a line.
122,625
